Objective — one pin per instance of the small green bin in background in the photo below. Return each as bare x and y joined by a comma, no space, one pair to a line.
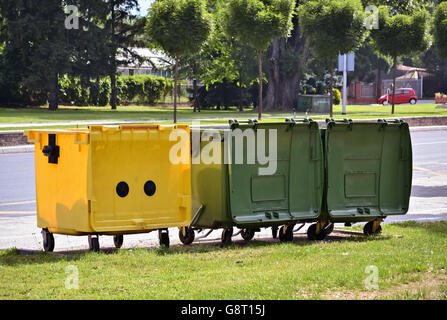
314,103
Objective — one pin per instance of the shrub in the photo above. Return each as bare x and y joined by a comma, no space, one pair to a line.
336,96
131,89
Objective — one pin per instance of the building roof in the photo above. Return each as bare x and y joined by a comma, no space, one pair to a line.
153,59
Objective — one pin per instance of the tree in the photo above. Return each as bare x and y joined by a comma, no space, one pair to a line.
123,30
288,60
332,27
400,35
179,27
440,30
36,41
258,23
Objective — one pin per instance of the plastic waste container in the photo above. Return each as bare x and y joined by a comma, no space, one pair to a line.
314,103
236,187
368,169
113,180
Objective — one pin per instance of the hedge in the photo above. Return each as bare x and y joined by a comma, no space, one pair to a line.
131,89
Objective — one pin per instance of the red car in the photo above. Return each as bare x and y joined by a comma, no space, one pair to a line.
403,95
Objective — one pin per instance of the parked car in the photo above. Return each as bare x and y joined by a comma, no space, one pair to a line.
403,95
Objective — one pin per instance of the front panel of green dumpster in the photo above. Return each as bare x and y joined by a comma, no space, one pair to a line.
276,173
369,170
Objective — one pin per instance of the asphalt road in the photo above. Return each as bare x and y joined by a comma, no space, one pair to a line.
18,207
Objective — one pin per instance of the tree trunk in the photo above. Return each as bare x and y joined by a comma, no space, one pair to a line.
283,87
379,81
195,95
331,90
54,88
113,98
241,108
175,89
260,85
394,82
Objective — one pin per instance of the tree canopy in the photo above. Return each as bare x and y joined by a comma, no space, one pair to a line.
179,27
332,27
399,35
258,23
440,29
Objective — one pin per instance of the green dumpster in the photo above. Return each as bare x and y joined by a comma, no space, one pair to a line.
314,103
368,169
234,193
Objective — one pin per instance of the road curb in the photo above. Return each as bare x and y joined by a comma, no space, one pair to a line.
17,149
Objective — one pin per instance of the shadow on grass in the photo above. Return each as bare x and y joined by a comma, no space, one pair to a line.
13,257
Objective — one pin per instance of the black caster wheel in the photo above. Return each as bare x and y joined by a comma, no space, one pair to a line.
226,236
274,232
118,241
313,235
368,229
48,240
329,229
93,243
163,236
288,235
189,236
247,234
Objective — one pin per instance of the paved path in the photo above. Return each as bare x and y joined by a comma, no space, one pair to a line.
17,197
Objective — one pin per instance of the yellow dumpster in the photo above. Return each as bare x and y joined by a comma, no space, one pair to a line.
111,180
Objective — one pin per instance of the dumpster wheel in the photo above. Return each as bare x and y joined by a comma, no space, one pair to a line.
186,235
274,232
286,235
93,243
372,228
313,235
163,236
118,241
48,240
247,234
227,233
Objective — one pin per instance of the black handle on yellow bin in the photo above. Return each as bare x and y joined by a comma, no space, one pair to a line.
52,151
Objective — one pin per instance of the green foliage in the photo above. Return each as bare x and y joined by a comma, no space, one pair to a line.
145,89
332,26
336,96
258,22
400,34
179,26
440,29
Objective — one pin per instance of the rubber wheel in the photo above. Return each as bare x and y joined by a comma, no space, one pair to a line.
385,103
312,233
413,101
368,229
189,236
288,236
274,232
329,229
93,243
226,236
118,241
163,236
48,240
247,234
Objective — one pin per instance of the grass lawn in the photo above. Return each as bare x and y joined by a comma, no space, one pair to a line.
163,113
410,258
